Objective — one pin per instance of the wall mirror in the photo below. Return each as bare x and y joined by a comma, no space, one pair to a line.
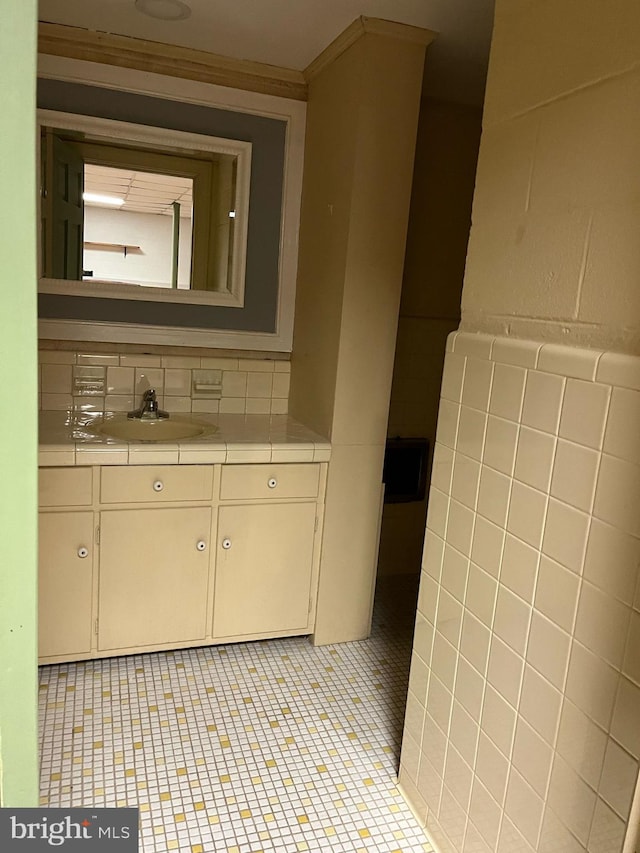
141,213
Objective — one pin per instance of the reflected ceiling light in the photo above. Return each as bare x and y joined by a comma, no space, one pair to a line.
96,198
165,10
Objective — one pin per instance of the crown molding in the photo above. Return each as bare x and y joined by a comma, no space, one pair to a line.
171,60
361,26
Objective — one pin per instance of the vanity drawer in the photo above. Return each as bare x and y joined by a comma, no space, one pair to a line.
156,483
65,487
246,482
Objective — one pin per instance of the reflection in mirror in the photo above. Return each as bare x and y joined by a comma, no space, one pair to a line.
141,214
137,227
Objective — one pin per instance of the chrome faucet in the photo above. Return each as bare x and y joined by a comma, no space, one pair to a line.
149,409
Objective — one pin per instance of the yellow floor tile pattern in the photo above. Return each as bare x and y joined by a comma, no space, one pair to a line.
244,748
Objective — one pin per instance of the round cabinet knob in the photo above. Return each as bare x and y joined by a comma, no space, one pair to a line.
158,486
272,482
83,552
226,544
201,546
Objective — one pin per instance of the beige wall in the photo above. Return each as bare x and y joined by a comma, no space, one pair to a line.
439,221
522,730
361,128
553,252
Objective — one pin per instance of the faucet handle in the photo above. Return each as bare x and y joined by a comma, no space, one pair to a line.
149,394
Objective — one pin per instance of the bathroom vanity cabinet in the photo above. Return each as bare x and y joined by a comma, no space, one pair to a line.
140,558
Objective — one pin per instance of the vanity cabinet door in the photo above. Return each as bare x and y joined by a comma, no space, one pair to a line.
154,571
264,567
65,578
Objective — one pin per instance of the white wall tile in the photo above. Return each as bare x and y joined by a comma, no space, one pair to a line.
556,838
452,818
626,714
474,642
507,391
519,567
477,384
612,560
234,383
618,494
464,732
423,638
505,671
466,476
607,830
177,382
146,378
56,378
460,526
540,704
511,620
447,429
485,813
557,593
584,411
428,598
120,380
631,665
527,513
572,798
591,684
614,368
419,678
443,660
432,554
439,703
458,777
493,496
618,780
481,594
500,444
565,535
498,720
259,384
514,351
601,624
449,617
581,743
492,768
434,745
548,649
534,458
437,512
469,688
455,568
532,757
468,343
452,377
543,401
474,842
486,547
471,432
280,384
568,361
574,474
623,425
524,806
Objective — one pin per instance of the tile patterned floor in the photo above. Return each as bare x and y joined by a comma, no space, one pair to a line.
267,746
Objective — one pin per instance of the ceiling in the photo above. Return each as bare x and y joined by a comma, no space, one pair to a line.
142,192
291,33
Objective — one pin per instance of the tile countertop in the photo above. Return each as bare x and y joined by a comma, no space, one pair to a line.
64,440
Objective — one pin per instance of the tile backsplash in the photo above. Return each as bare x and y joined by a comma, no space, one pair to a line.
524,731
91,382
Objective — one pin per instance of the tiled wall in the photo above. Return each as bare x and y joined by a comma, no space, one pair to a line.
115,382
522,730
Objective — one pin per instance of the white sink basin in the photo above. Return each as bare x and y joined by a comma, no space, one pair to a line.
168,429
